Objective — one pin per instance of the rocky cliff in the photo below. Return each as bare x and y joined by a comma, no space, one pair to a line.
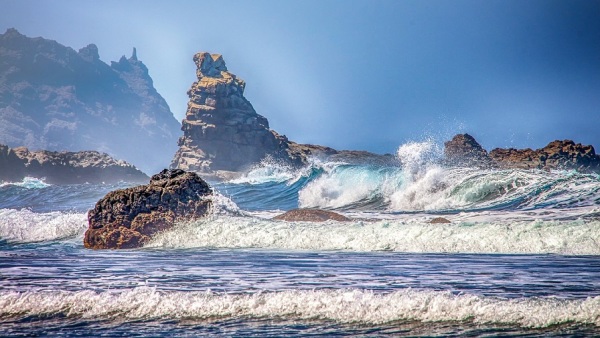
65,167
223,132
53,97
221,129
565,154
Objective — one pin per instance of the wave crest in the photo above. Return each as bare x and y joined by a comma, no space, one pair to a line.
416,235
24,226
344,306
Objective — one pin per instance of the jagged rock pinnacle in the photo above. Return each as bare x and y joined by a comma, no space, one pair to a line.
222,131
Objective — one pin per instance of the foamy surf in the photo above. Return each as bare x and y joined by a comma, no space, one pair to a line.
28,183
344,306
576,237
24,226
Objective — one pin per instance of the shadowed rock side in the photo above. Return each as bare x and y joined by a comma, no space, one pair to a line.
566,154
311,215
55,98
65,167
128,218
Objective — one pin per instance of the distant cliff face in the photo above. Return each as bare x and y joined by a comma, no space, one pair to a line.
221,130
52,97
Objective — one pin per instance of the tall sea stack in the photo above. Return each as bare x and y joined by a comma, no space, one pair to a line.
221,130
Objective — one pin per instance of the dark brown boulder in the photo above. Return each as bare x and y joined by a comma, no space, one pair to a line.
439,220
311,215
128,218
463,149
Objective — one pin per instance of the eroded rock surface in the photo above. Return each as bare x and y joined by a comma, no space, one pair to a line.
311,215
128,218
222,131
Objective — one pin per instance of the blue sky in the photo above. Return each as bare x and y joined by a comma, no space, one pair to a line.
363,74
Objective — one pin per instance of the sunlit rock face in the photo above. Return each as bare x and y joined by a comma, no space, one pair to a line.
53,97
558,154
221,130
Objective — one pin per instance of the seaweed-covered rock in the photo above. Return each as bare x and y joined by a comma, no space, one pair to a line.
128,218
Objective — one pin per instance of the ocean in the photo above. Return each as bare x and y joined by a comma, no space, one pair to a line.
519,258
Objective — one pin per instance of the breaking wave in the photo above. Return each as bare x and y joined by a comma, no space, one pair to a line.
344,306
28,183
533,237
25,226
419,184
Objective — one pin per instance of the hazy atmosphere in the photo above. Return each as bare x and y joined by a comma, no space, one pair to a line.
512,73
397,205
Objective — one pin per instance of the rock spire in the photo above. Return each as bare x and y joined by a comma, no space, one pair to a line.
221,130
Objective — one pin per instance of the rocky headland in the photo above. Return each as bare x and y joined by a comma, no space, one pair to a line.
65,167
222,133
463,149
53,97
128,218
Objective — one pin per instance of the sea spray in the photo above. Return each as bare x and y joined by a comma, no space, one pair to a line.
24,226
343,306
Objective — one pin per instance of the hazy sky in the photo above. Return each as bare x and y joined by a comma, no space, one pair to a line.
362,74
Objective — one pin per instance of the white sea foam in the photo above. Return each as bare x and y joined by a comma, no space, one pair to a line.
344,306
24,226
270,170
29,183
341,186
414,235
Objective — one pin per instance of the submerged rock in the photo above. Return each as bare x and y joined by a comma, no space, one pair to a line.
128,218
65,167
439,220
311,215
